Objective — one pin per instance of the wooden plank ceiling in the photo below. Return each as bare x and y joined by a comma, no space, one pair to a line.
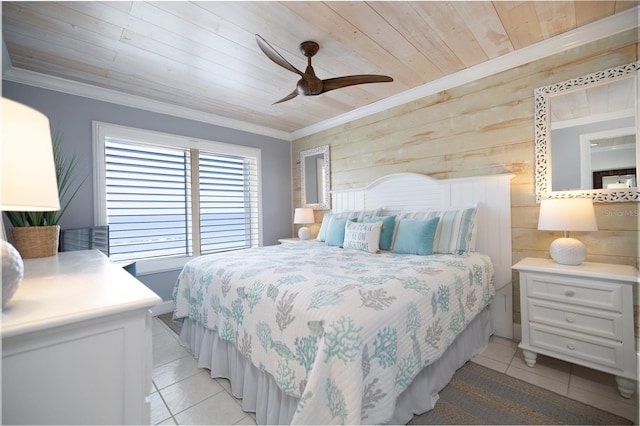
203,55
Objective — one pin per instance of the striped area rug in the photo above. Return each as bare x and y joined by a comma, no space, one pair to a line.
479,395
176,326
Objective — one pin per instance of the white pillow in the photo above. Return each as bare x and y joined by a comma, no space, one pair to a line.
456,232
358,215
324,227
362,236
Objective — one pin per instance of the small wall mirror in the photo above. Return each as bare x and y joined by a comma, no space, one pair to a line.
586,137
315,174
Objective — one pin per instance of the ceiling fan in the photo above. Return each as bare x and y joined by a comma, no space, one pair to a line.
309,84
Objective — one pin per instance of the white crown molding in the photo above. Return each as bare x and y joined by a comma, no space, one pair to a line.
58,84
605,27
588,33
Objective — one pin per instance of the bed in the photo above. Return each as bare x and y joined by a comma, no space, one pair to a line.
313,333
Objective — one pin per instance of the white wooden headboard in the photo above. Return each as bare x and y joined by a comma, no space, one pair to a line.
414,192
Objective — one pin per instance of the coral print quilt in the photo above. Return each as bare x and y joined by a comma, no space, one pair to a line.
345,331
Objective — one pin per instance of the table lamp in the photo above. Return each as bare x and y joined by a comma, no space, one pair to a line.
567,214
303,216
27,178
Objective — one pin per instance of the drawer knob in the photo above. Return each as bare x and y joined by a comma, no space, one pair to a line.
571,345
570,319
569,292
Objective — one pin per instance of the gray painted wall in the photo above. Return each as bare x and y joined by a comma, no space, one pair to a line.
73,116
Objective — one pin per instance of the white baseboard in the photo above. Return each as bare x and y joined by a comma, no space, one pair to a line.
163,308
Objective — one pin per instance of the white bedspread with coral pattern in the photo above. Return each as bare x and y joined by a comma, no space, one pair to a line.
345,331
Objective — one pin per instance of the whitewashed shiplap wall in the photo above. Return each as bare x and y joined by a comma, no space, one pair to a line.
483,127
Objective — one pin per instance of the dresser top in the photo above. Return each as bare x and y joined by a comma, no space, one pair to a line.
586,269
72,287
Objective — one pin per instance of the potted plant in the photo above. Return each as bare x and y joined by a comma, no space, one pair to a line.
35,234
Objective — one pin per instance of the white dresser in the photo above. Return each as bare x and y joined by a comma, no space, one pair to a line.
582,314
76,344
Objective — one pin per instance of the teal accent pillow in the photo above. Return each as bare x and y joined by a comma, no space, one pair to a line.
415,236
388,226
335,232
354,216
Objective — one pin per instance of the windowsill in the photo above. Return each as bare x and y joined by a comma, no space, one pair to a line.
160,265
157,266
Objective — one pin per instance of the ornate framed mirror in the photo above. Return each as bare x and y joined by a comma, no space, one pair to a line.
586,137
315,175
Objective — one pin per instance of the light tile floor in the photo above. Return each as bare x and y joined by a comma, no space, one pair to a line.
184,394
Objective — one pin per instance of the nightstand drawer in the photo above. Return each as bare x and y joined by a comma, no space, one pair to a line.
603,352
590,321
575,291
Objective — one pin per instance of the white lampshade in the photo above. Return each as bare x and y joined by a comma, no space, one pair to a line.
303,216
27,178
27,170
569,214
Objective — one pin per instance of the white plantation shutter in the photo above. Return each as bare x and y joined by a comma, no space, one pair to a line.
148,201
176,198
228,203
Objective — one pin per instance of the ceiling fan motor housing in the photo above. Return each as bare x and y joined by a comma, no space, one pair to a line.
309,48
309,86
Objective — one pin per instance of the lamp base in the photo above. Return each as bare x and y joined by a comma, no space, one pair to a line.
12,271
568,251
304,233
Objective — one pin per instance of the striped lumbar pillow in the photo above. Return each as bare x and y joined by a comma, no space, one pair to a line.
456,232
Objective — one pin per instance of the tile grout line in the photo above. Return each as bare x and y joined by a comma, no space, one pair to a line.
570,378
228,392
167,407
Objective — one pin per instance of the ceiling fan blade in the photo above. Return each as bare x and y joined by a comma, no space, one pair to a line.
289,96
272,54
351,80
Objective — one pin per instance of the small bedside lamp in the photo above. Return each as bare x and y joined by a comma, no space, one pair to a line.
568,214
27,178
303,216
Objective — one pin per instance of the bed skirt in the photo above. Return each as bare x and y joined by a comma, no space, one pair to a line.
260,393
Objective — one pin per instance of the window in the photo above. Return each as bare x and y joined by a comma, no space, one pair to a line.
168,198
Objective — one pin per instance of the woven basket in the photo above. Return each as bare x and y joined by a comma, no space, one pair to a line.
36,241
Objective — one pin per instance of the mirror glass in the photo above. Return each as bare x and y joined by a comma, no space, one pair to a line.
315,173
586,137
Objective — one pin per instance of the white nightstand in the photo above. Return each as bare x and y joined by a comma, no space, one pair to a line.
582,314
291,240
